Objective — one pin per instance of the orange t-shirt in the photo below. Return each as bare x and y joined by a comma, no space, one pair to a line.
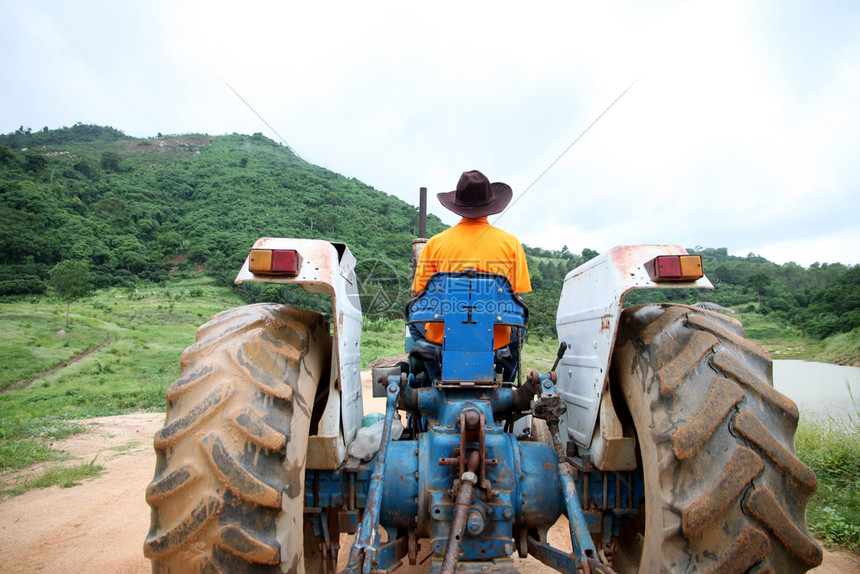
474,244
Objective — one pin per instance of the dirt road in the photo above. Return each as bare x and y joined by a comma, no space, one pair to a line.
99,526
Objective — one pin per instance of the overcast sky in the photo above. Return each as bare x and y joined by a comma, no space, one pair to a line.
741,131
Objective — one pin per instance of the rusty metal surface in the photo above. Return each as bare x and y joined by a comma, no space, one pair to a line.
611,450
587,321
461,512
329,268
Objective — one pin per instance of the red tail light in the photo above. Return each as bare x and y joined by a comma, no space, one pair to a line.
274,262
676,268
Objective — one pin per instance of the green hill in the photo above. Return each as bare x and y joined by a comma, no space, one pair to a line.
143,209
136,209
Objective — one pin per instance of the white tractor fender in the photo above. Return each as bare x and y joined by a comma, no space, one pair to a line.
587,321
328,268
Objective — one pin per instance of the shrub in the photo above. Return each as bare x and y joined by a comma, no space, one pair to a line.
832,449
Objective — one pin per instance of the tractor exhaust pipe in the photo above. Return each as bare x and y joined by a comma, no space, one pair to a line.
422,212
421,240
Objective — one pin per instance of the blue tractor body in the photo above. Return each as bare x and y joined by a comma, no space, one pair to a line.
460,478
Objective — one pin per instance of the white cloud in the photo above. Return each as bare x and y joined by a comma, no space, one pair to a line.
735,135
838,247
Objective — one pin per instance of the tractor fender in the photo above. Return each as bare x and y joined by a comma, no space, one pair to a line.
589,310
328,267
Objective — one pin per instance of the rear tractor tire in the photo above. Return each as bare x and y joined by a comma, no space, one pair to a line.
228,491
724,489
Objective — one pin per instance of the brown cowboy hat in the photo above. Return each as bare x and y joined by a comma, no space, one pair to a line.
475,196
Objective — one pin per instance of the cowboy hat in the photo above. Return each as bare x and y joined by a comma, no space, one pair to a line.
475,196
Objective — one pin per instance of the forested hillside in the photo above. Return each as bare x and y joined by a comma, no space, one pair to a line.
818,301
138,210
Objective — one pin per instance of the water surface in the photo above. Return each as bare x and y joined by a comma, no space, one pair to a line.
820,389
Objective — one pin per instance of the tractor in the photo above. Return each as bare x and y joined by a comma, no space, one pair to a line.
657,433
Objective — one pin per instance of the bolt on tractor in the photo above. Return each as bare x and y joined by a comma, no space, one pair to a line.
657,433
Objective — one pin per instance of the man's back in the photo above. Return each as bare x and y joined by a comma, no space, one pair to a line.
474,244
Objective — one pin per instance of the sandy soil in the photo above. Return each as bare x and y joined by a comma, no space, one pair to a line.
99,525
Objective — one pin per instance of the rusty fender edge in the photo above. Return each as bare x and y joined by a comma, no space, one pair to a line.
328,268
589,310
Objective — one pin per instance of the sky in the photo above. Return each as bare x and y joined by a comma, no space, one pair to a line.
738,127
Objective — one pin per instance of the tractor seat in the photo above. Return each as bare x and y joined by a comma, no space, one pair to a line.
428,351
471,304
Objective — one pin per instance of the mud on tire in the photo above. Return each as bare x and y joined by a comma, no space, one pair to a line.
725,491
228,490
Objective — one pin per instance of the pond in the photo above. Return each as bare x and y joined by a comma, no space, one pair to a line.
820,389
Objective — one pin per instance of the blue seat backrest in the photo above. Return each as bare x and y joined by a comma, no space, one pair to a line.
469,303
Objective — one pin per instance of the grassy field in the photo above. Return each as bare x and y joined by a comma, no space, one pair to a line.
145,330
780,342
843,349
135,338
832,449
30,342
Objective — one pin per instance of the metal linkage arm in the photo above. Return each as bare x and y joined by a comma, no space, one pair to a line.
550,407
364,554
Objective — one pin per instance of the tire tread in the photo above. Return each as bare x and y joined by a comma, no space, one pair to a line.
725,490
231,445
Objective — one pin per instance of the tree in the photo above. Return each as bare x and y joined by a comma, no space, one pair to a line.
111,207
589,254
86,169
127,251
758,281
35,163
69,281
7,157
110,161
